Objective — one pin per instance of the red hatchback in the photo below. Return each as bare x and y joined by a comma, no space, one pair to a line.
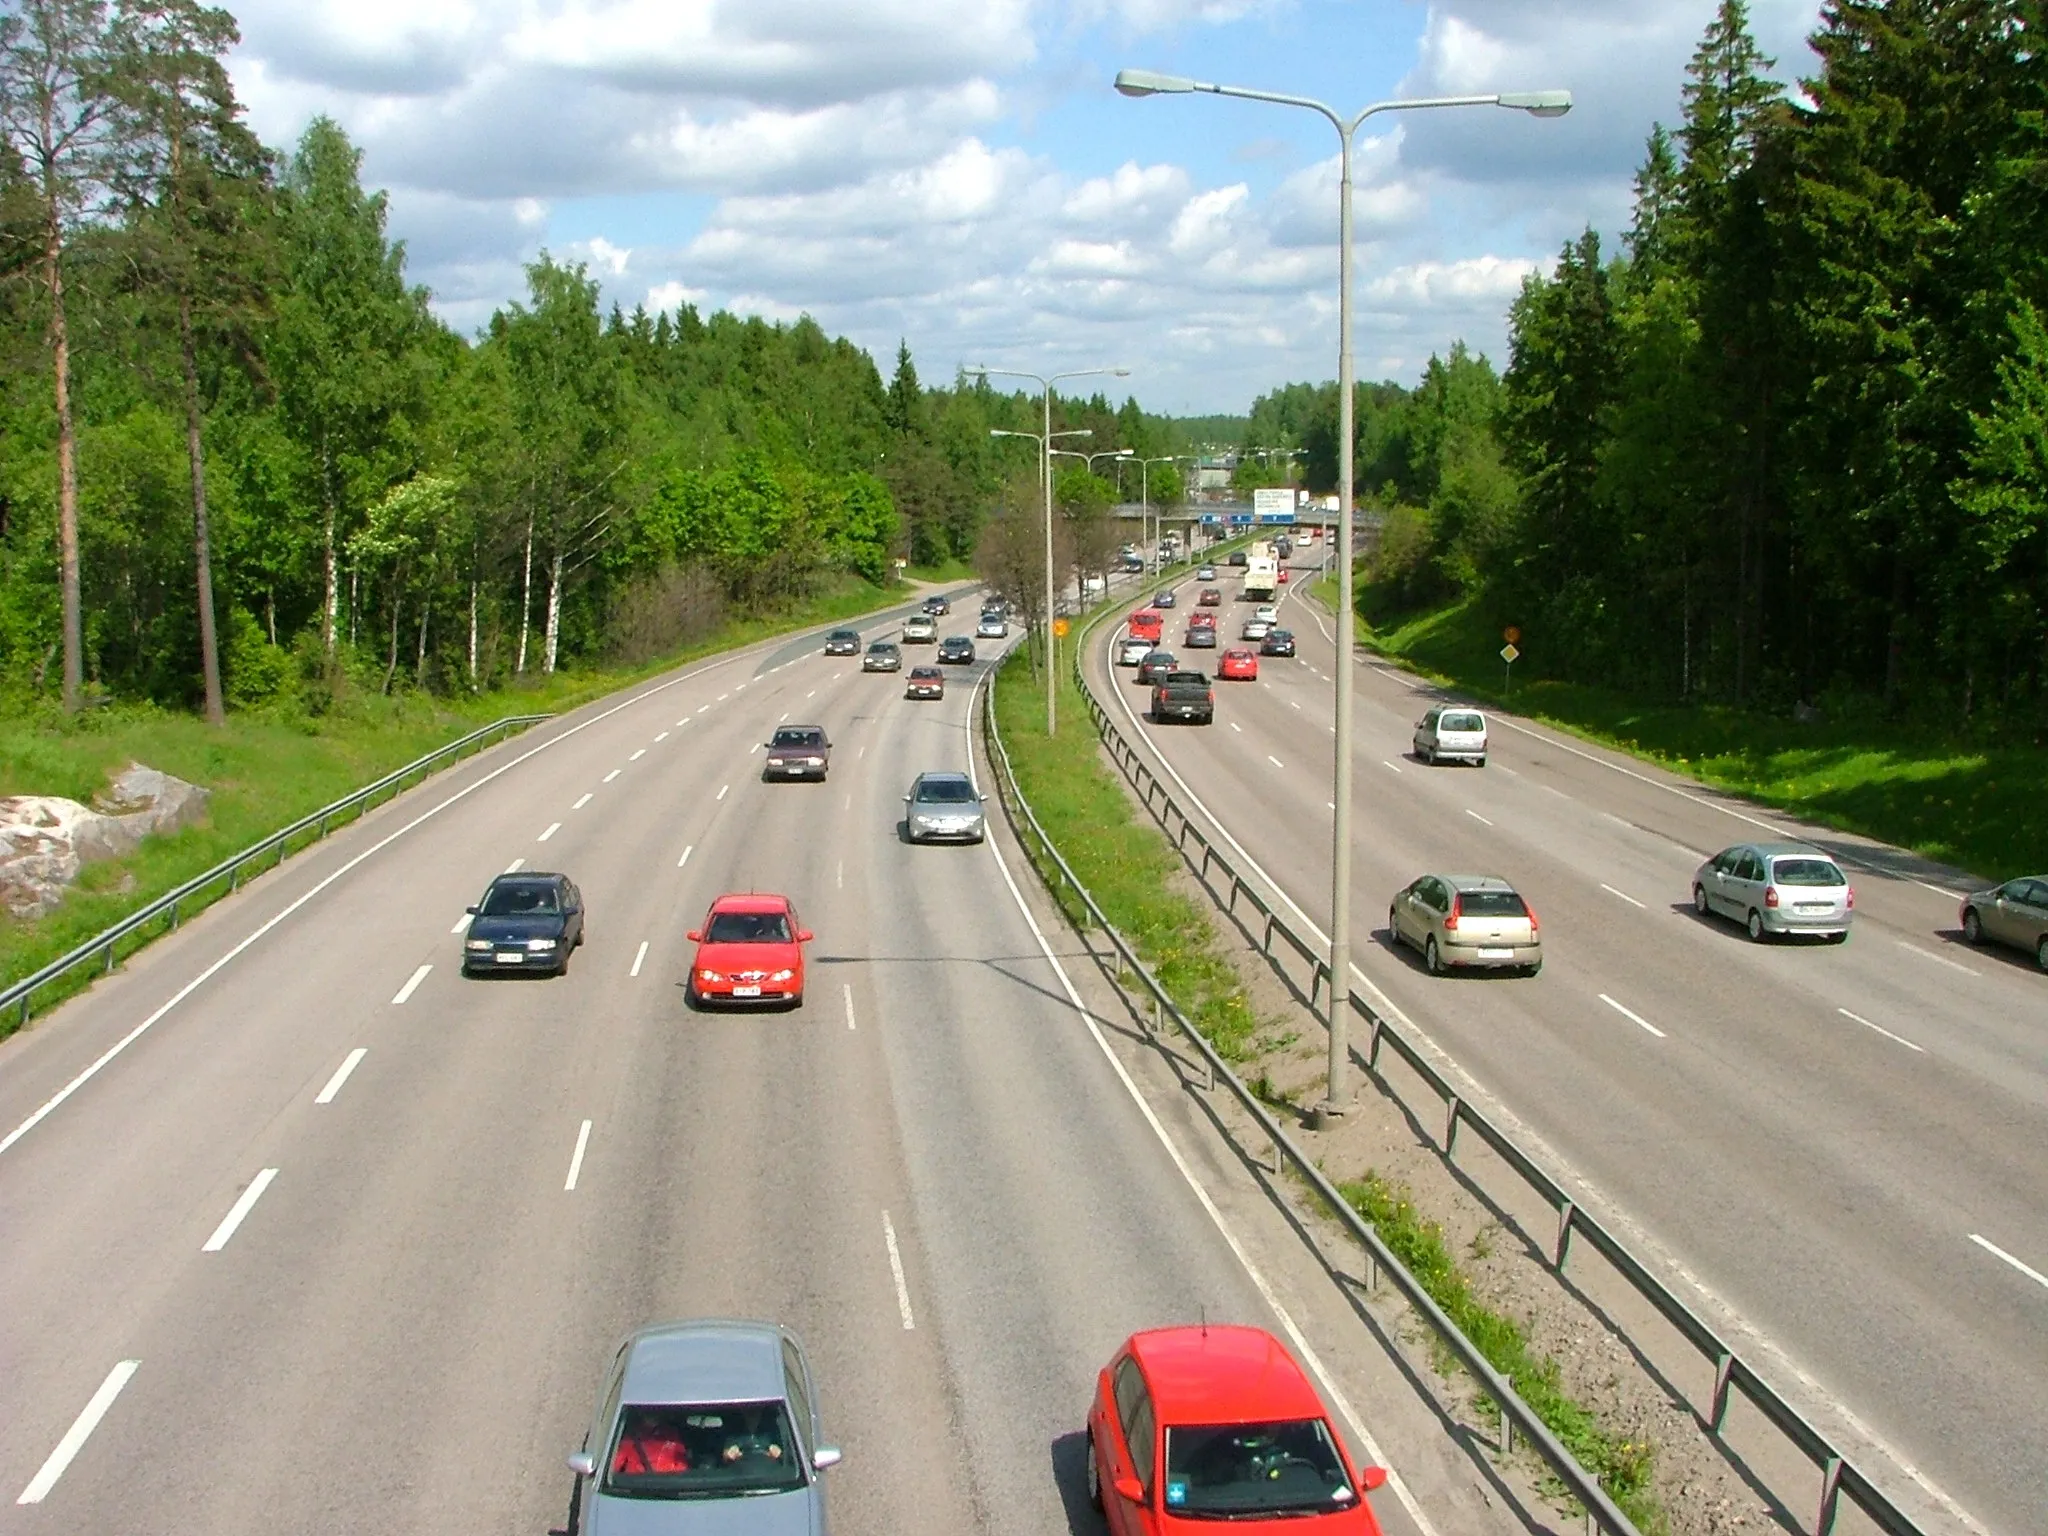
1191,1426
750,950
1239,666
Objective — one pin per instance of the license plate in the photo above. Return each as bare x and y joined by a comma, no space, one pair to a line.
1814,906
509,959
1496,954
746,991
794,768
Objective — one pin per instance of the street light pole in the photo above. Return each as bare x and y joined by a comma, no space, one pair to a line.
1138,82
1045,383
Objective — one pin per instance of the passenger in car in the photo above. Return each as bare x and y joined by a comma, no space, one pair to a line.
652,1443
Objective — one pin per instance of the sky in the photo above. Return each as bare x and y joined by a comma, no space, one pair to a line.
960,175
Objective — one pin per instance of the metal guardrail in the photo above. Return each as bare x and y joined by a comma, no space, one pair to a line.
1602,1514
101,949
1839,1477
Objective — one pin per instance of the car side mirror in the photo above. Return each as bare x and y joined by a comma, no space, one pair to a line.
1373,1479
583,1464
1128,1487
804,935
906,799
695,936
470,910
830,1456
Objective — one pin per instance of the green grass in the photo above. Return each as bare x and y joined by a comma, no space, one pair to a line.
1625,1467
266,771
1977,807
947,571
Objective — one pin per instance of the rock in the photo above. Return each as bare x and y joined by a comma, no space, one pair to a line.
45,840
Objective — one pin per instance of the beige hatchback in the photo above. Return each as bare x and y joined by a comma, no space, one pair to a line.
1461,921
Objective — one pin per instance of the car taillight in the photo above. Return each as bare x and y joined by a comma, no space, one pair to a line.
1852,898
1534,926
1770,895
1457,911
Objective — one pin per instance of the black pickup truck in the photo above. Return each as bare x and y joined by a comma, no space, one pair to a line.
1184,696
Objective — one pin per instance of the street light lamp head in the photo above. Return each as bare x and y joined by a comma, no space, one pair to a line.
1143,82
1121,373
1538,103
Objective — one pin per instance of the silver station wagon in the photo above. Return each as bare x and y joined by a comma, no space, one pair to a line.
706,1428
1776,888
1451,733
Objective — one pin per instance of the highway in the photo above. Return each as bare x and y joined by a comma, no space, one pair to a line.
336,1240
1842,1147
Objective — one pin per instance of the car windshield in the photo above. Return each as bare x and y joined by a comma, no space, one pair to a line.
882,648
1491,904
926,674
845,634
1801,871
796,738
526,899
1461,723
945,792
1229,1471
703,1451
748,928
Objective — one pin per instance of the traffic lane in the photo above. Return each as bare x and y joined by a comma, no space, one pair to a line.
1651,1149
421,1242
116,1215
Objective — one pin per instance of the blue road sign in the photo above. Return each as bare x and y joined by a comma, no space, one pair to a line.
1240,519
1275,517
1212,518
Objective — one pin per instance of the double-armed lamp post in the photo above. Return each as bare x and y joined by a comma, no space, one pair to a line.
1045,384
1139,82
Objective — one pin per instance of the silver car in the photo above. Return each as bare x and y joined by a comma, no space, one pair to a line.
943,807
920,629
2014,913
1776,888
993,626
1451,733
882,656
1460,921
704,1427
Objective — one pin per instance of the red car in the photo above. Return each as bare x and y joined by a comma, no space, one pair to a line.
1239,666
1147,624
1195,1426
1283,573
1201,621
750,950
1212,597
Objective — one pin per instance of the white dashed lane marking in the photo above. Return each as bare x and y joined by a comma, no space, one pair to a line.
1995,1251
581,803
639,956
239,1210
1632,1016
1928,954
1385,764
553,828
341,1073
896,1269
686,856
80,1431
722,790
1624,895
576,1157
1899,1039
1478,818
411,985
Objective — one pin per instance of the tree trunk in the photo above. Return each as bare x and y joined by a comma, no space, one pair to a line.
195,450
391,662
67,449
270,611
355,581
472,628
330,603
554,611
525,600
419,668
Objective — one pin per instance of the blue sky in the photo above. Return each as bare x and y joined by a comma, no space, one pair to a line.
960,174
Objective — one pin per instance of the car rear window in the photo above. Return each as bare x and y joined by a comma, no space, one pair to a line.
709,1450
789,737
1806,871
945,792
1492,904
1461,722
748,928
530,899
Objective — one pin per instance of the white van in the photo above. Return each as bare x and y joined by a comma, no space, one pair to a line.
1451,733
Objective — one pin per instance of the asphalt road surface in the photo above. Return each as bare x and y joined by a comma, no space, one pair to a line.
1844,1147
336,1240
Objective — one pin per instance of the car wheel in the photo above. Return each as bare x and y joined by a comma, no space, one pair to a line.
1533,970
796,1001
1094,1475
1432,957
2041,952
1839,938
1429,756
1756,926
1479,762
563,968
692,998
1699,901
1973,926
1393,928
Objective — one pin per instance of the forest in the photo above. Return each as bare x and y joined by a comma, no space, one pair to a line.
244,465
1787,446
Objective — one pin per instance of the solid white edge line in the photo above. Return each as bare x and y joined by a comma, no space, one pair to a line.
582,802
237,1211
686,856
1478,818
341,1073
80,1431
896,1269
553,828
1901,1039
1624,895
1997,1252
412,982
576,1158
1633,1017
515,866
847,989
639,956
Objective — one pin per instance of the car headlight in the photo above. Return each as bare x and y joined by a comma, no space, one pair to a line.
815,762
478,944
782,975
709,975
540,944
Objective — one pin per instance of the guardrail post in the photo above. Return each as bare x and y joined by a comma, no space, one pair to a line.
1830,1495
1507,1425
1315,985
234,878
1724,1373
107,965
1266,944
1563,1247
1451,1107
174,917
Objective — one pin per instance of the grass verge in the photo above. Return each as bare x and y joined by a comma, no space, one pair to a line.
947,571
1976,807
266,771
1127,865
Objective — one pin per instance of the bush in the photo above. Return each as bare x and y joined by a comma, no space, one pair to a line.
253,671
